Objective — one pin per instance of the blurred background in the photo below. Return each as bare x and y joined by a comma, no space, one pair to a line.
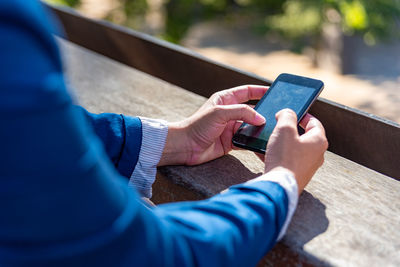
352,45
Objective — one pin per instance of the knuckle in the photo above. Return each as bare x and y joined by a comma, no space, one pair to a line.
326,144
216,94
323,142
246,108
217,109
289,112
242,109
246,112
320,142
216,97
286,115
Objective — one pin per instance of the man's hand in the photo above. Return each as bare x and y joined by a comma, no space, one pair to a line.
207,134
300,155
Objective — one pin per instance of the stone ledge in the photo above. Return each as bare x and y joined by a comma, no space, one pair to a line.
348,214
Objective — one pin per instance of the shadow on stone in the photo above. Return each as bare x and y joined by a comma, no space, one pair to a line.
210,178
308,222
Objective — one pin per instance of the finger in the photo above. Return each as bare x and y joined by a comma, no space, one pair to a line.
305,120
241,94
286,120
239,112
236,126
309,122
226,137
315,134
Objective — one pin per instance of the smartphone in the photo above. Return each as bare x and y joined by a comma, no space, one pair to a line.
287,91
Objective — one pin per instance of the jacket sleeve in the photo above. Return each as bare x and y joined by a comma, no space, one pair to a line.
121,137
63,203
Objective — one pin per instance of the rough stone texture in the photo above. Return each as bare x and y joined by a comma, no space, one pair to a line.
348,215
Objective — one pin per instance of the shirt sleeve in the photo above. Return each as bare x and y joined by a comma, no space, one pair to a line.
289,184
154,135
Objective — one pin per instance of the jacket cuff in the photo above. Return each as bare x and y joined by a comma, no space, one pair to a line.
276,194
288,182
131,147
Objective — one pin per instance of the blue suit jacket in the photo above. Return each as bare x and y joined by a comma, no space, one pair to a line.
62,199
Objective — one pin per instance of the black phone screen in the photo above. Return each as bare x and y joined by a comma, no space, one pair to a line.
282,94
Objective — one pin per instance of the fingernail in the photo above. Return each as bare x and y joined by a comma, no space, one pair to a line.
259,118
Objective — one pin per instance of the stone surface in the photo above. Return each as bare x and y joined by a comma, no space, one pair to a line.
348,215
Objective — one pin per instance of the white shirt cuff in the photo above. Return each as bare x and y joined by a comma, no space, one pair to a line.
289,184
154,135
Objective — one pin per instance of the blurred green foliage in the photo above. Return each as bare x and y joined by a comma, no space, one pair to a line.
71,3
134,7
296,20
133,12
373,19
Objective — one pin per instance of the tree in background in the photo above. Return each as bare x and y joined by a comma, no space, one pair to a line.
71,3
295,20
374,19
316,24
319,24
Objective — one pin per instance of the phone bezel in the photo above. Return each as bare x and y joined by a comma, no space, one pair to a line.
259,145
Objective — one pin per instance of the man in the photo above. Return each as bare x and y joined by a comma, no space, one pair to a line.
64,203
